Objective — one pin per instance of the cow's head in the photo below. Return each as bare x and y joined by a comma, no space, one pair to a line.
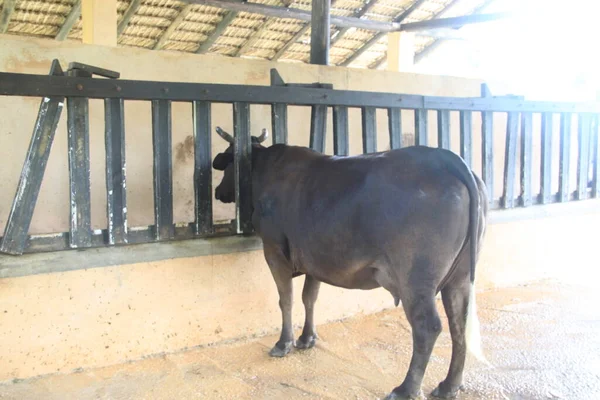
225,192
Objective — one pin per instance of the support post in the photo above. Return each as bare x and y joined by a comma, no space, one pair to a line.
369,130
202,168
466,139
163,171
21,212
320,32
443,117
526,157
564,167
341,146
115,171
421,130
401,51
243,167
395,127
510,160
546,165
99,22
78,128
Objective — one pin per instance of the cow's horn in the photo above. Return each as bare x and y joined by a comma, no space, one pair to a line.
224,135
263,136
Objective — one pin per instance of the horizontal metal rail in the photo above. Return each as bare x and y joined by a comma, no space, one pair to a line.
12,84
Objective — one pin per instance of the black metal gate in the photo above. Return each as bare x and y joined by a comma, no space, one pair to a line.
78,85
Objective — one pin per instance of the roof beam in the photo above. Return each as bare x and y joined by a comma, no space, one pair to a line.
70,21
358,14
294,13
454,22
221,26
437,42
129,13
7,11
405,14
174,25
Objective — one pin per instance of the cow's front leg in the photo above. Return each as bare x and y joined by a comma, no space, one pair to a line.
282,273
309,297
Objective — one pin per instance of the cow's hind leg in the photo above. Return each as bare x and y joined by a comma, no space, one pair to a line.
455,297
309,297
426,326
282,275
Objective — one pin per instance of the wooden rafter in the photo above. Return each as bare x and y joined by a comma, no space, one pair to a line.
8,9
406,13
174,25
358,14
70,21
290,42
295,13
221,26
129,13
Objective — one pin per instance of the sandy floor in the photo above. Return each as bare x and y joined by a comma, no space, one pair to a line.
543,340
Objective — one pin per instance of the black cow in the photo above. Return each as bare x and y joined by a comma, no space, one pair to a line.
408,220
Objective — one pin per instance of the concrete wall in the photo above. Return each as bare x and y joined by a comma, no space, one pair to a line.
56,322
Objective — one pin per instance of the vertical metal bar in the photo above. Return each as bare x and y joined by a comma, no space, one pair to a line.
546,165
243,167
487,152
341,146
443,117
202,168
510,160
279,123
369,130
79,170
466,138
421,127
564,193
526,157
596,150
15,233
320,32
395,127
318,123
163,171
114,139
583,166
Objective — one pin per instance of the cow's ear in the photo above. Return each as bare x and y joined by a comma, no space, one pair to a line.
222,160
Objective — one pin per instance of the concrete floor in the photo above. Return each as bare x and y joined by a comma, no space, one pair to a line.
543,341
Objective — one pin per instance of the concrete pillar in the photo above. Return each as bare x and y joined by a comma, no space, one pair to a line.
99,22
401,51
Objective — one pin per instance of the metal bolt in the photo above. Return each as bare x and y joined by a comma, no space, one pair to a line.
79,86
205,91
118,88
165,90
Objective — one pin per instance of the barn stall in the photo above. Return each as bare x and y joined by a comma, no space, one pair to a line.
530,154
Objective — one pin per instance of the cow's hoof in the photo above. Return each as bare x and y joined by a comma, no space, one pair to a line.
281,349
443,392
401,395
304,342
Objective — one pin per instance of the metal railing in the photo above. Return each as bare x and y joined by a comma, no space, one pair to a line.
78,86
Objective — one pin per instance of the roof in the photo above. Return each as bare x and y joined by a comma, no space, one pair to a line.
179,26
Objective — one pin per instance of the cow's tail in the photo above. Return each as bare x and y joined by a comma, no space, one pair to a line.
472,330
